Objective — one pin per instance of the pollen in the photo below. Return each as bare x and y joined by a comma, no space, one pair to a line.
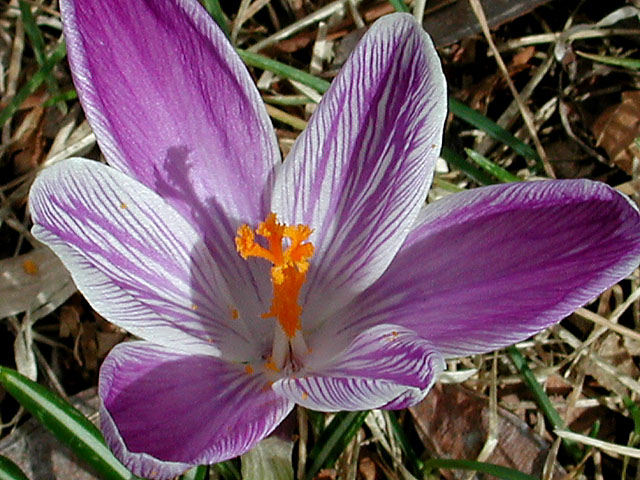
290,263
271,366
234,313
30,267
248,369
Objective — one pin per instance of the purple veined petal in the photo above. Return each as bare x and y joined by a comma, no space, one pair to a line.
173,105
386,366
492,266
360,171
134,258
163,412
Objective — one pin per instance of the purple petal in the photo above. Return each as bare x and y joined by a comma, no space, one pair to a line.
360,171
492,266
386,366
173,105
163,412
171,102
135,259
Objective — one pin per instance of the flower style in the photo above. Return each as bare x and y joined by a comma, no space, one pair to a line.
321,281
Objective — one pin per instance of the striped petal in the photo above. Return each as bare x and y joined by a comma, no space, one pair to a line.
134,258
384,367
171,103
360,171
173,106
492,266
163,412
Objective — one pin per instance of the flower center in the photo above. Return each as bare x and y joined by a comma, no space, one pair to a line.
288,273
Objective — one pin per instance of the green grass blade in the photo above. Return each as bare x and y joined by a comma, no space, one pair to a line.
215,10
630,63
491,128
227,470
316,419
284,70
61,97
461,163
415,463
196,473
287,99
399,5
488,468
491,168
32,84
66,423
10,471
635,413
33,32
37,44
333,441
543,400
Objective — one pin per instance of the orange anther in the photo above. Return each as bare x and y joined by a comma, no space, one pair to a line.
271,366
30,267
290,265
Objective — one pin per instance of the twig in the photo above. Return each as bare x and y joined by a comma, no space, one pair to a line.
526,114
604,322
553,37
316,16
602,445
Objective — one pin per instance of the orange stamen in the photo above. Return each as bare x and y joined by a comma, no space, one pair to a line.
290,266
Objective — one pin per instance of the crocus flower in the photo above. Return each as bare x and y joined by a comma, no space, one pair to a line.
255,284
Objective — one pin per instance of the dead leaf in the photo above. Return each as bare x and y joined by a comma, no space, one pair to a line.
523,56
614,353
69,321
23,351
453,422
36,282
616,129
367,468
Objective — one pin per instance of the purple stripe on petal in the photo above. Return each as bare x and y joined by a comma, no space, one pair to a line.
164,411
171,102
173,105
384,366
487,268
331,394
135,259
360,171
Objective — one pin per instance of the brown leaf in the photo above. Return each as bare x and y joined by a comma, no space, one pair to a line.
69,321
617,127
29,147
453,422
614,352
36,281
367,468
